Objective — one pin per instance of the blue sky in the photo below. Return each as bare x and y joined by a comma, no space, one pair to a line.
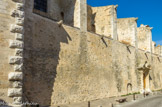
149,12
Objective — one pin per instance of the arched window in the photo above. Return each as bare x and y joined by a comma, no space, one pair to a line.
40,5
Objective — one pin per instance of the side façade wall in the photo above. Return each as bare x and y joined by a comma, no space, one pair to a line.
64,65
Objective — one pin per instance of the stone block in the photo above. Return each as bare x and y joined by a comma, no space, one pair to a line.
15,76
20,21
15,92
20,6
16,44
15,60
19,36
17,13
18,68
17,100
17,29
19,52
17,84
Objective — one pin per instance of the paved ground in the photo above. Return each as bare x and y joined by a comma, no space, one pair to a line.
154,101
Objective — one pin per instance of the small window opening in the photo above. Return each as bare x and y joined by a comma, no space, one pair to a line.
40,5
62,15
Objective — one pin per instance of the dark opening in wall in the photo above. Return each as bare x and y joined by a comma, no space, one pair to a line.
40,5
62,15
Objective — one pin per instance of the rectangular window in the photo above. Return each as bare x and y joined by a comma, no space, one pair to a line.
40,5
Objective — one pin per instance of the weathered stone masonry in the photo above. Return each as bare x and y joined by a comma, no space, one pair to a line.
73,53
16,77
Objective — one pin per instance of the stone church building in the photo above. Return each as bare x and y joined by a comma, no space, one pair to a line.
56,52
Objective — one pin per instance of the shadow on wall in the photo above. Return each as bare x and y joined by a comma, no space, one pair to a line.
42,47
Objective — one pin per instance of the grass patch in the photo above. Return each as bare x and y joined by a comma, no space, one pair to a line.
130,94
156,90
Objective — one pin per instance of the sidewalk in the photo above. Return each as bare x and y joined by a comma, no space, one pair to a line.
151,101
110,102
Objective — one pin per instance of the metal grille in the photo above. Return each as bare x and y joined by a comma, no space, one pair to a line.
40,5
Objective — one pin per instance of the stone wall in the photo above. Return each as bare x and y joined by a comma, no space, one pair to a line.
144,36
11,49
112,64
158,50
15,90
127,30
50,51
71,12
60,10
65,65
104,21
156,73
153,46
6,8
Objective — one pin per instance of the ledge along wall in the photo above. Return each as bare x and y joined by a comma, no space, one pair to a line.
67,65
